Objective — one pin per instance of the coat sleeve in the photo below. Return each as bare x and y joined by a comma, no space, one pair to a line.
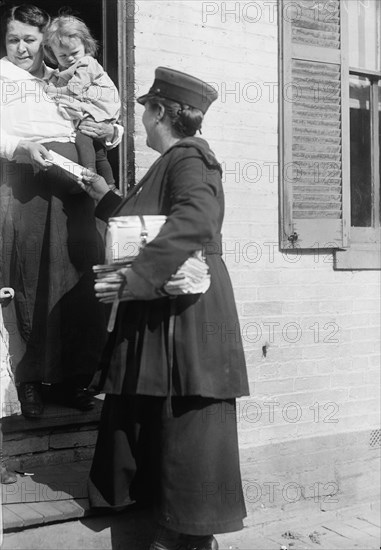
107,205
192,221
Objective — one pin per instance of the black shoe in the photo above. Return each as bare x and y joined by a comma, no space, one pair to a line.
30,399
192,542
80,398
6,476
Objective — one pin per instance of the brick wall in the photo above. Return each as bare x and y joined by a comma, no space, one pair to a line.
311,334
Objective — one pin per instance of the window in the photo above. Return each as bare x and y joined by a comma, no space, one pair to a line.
364,27
330,129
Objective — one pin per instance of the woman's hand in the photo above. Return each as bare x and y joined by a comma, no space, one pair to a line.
36,154
108,287
97,130
93,184
6,295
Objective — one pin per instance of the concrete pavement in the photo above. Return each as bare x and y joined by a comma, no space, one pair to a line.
355,528
49,510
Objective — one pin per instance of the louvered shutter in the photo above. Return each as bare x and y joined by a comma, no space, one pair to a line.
314,124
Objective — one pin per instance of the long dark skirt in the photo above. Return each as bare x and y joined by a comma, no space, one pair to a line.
186,466
49,242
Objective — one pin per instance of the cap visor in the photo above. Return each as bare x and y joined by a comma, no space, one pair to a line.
144,98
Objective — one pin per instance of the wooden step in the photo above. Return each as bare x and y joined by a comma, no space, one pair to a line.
53,493
61,435
54,416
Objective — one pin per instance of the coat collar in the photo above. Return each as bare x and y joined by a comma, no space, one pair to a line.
202,147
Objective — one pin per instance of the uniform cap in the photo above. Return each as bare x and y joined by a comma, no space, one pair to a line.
180,87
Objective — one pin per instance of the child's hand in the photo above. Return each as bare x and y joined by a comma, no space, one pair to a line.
50,89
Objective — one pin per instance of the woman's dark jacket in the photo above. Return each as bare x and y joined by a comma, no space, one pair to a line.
184,184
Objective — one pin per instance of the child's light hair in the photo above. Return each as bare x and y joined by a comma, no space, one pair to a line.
61,32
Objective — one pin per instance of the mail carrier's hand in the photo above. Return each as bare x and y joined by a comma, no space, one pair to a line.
93,184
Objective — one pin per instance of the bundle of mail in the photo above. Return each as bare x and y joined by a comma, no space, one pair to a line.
192,277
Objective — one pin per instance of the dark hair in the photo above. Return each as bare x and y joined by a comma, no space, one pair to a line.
25,13
185,120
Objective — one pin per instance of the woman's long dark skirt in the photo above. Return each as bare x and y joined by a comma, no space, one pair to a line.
49,242
186,466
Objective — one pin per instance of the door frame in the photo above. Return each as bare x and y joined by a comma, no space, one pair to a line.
119,16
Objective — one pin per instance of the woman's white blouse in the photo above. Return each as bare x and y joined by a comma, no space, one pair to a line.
27,112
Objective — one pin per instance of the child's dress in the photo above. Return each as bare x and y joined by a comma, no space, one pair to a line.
9,403
86,89
83,90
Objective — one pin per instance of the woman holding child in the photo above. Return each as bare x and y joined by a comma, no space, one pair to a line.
49,238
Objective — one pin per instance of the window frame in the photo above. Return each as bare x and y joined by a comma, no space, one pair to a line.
359,248
364,250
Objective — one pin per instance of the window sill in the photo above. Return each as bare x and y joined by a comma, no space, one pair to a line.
358,256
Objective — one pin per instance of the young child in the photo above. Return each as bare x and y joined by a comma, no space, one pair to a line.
81,87
6,295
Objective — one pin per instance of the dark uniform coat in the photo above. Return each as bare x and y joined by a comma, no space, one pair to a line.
184,461
184,184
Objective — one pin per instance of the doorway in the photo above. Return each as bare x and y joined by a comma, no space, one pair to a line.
101,17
